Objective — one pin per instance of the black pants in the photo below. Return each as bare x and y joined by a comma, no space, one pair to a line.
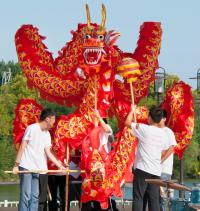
59,182
139,189
43,182
55,183
95,206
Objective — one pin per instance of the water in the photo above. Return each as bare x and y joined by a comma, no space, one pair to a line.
128,191
11,192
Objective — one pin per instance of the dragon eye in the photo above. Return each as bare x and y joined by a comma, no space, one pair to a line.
101,37
87,36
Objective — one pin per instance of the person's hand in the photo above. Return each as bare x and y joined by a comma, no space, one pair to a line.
62,167
15,169
66,165
96,113
133,108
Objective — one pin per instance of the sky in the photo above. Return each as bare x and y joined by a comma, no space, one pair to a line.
180,19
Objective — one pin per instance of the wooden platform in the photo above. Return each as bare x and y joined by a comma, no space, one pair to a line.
126,208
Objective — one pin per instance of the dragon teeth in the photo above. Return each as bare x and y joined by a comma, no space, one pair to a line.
99,51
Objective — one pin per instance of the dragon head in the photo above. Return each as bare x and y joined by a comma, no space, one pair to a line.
94,43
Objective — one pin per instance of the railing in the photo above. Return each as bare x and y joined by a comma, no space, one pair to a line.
123,202
74,203
7,203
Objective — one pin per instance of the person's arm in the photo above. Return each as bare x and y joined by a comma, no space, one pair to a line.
19,156
51,156
103,124
129,118
167,153
170,146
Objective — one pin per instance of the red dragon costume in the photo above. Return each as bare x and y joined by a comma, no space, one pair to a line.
89,65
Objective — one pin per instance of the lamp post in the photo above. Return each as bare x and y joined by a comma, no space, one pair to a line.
159,84
196,99
198,80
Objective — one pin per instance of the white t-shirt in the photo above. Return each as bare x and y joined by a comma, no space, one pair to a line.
34,156
152,141
167,165
104,139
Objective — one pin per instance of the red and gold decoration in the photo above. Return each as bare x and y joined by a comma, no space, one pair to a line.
85,75
179,105
27,112
129,69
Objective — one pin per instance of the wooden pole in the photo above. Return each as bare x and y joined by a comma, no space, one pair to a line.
36,94
181,193
95,99
132,100
67,178
43,171
95,92
49,193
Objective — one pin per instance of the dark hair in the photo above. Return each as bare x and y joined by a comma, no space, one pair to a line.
164,113
156,114
47,112
105,120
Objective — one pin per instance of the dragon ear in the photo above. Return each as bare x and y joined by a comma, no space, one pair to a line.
111,37
103,16
88,16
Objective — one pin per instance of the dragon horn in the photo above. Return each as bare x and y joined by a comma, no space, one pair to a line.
103,16
88,16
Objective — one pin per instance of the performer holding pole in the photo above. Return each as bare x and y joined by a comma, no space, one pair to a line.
166,163
67,178
148,166
33,153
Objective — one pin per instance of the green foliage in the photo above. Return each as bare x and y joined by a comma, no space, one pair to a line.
7,159
114,124
191,164
9,97
170,79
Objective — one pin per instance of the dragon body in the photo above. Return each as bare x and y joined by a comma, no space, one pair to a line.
86,75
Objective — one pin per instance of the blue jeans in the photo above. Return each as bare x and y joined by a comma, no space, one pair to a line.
166,176
29,191
164,201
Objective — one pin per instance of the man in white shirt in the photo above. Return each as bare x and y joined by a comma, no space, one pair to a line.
151,146
167,158
32,155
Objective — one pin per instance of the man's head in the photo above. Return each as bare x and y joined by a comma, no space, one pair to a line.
163,120
48,117
156,115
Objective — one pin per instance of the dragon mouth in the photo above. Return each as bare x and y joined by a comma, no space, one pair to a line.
93,55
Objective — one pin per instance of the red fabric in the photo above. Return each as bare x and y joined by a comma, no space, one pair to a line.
179,105
94,138
27,112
